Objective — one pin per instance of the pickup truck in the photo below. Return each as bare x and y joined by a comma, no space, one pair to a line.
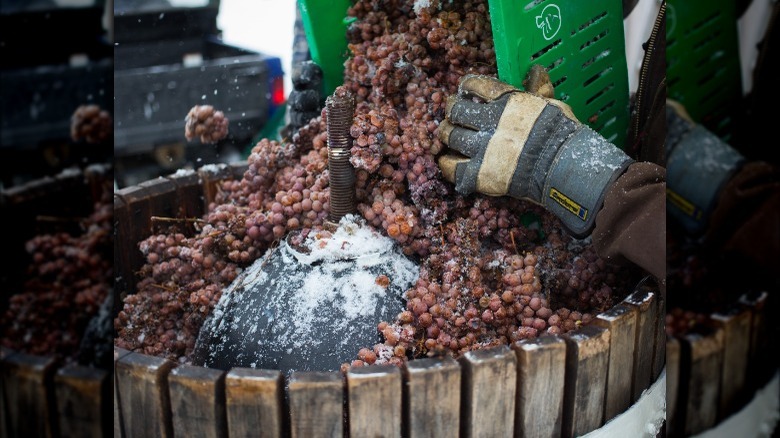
169,59
54,59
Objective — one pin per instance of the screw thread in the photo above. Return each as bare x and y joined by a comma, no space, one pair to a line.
340,110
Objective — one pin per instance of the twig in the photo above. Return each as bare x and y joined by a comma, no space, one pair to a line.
177,220
43,218
165,288
266,258
512,237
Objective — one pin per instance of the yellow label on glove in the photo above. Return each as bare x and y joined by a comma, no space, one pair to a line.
683,204
568,204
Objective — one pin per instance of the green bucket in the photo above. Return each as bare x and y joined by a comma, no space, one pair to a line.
702,61
581,44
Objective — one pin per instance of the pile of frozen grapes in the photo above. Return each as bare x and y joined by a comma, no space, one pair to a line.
492,270
680,322
69,277
206,122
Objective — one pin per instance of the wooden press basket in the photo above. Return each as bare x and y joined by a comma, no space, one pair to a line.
42,396
713,374
551,386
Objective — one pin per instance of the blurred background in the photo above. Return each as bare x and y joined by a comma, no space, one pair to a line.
56,57
172,55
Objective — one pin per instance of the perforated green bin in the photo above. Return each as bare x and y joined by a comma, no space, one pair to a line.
581,43
702,61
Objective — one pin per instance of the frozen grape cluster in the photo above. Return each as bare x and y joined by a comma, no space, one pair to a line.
206,122
492,270
284,188
91,124
67,280
680,322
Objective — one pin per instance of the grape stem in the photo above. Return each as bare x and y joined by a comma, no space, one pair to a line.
177,220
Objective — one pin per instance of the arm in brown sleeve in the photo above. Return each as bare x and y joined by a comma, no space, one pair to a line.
631,226
746,218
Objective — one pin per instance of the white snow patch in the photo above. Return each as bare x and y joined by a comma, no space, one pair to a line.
332,283
530,346
213,168
419,5
757,419
184,172
643,419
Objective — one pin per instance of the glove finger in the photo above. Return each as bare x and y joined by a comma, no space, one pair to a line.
679,110
309,76
304,100
484,87
445,129
477,116
302,118
538,82
449,165
466,141
564,107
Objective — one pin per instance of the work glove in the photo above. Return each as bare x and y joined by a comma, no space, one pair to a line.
698,165
305,101
527,145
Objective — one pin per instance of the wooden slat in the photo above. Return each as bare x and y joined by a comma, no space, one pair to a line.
672,385
119,432
82,399
29,193
163,200
99,177
29,390
138,212
432,398
143,389
587,360
701,361
188,194
372,391
541,366
621,322
316,404
255,403
211,176
736,346
489,384
238,169
760,354
4,354
659,352
198,401
124,277
644,300
131,225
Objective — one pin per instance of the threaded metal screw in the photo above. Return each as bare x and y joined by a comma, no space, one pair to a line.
340,110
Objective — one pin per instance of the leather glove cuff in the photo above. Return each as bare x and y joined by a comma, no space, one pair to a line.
578,177
698,167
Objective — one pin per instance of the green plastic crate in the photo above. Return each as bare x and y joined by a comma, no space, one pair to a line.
581,43
702,61
325,23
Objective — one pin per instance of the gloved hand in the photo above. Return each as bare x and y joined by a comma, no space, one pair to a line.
305,100
530,146
698,164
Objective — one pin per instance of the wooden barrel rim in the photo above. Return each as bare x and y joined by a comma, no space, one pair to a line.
591,346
